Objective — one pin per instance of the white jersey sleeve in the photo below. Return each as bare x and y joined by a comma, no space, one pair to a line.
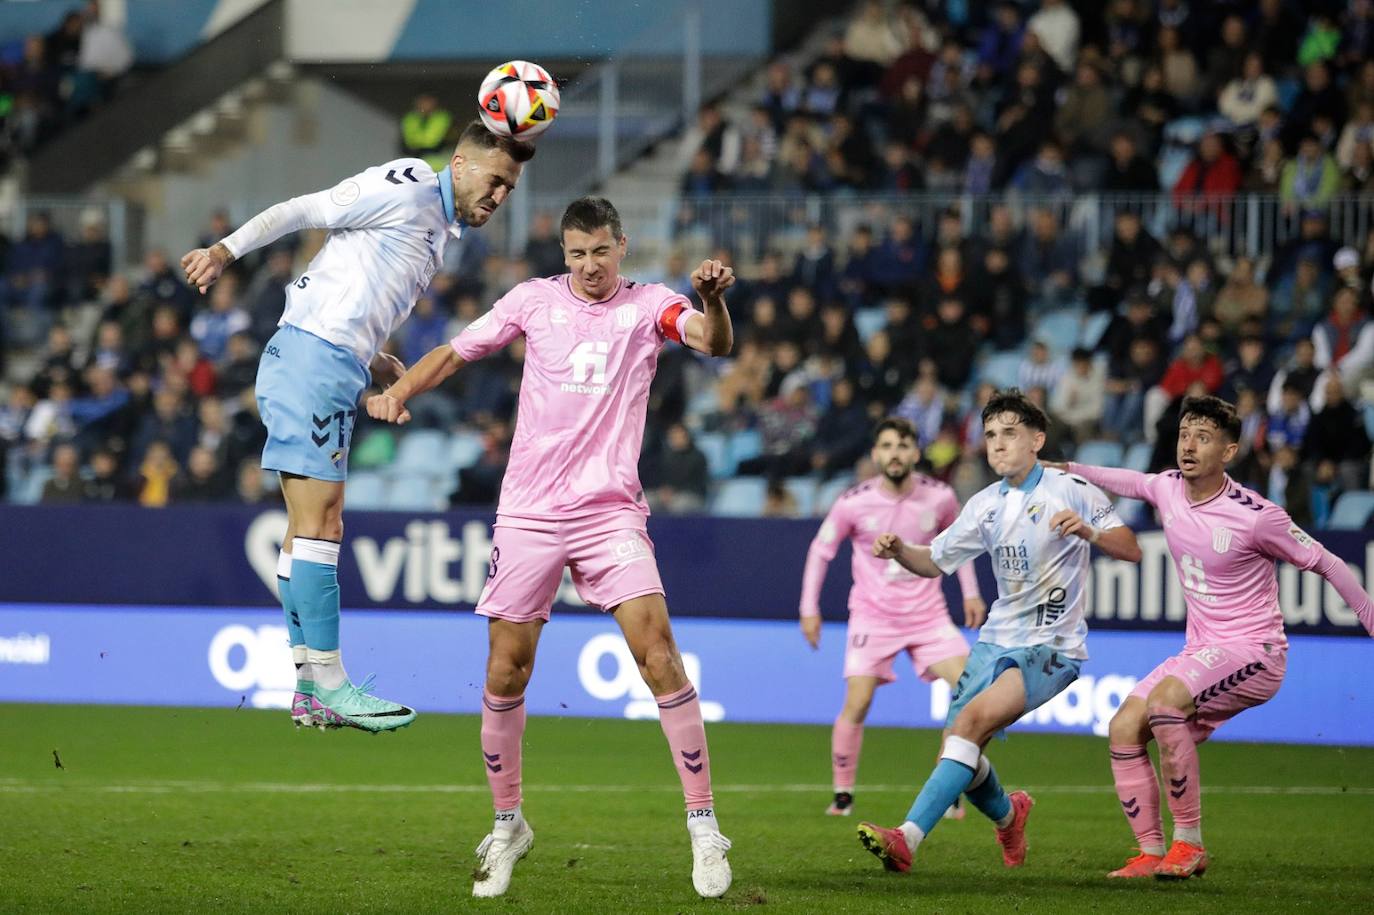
1093,505
365,200
961,541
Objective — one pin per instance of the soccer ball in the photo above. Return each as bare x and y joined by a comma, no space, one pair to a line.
518,99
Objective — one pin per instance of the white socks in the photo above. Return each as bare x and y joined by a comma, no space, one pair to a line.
508,821
913,835
1190,834
705,818
326,668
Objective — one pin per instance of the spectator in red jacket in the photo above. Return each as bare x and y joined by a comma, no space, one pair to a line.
1214,173
1194,363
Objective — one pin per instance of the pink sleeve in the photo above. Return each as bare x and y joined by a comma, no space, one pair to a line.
493,330
1129,483
671,317
1279,538
835,528
967,574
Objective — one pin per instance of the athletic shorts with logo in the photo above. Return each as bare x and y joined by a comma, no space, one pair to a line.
610,555
870,652
1224,678
1045,673
308,391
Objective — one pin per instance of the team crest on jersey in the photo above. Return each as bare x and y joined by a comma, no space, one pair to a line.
1221,539
1034,512
625,316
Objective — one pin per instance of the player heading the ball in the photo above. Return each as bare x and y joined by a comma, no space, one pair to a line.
388,226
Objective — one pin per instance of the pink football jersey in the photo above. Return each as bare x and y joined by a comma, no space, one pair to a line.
885,595
1224,549
583,394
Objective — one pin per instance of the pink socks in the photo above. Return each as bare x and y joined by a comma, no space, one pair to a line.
503,727
680,715
1178,758
846,739
1138,788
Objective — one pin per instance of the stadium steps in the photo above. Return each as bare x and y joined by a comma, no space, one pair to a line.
171,115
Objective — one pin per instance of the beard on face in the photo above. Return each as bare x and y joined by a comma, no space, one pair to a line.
898,474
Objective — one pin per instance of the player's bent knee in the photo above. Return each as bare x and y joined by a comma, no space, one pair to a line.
1129,725
1171,693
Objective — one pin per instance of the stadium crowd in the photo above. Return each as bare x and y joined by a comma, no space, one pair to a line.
48,81
141,390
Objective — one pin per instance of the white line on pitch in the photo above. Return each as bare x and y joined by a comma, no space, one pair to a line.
21,786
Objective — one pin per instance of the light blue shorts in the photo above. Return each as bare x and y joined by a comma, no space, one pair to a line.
1046,673
308,391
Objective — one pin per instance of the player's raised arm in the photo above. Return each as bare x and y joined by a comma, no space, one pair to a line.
913,557
362,200
1280,538
1129,483
711,333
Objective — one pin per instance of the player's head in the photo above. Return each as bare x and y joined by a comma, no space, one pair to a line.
1014,430
594,244
1208,436
895,449
485,169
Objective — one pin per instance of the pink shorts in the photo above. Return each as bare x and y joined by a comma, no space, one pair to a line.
870,654
1225,679
611,557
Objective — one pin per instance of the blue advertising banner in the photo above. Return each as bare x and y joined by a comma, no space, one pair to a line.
712,567
744,670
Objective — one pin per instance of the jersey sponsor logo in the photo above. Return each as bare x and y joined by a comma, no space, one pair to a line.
345,193
625,316
1221,539
1048,613
1101,513
588,361
558,316
1304,539
1012,559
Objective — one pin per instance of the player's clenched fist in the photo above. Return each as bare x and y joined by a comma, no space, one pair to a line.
712,278
887,546
204,265
388,409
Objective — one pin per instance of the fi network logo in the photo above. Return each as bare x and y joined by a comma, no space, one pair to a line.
588,360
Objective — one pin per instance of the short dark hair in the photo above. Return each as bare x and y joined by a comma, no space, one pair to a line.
1011,400
902,427
476,134
587,214
1215,411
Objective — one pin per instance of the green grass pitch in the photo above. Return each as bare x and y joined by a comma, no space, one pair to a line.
180,810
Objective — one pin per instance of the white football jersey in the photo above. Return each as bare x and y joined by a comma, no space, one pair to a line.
1041,576
389,225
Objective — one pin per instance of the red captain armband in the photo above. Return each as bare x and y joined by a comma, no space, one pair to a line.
667,322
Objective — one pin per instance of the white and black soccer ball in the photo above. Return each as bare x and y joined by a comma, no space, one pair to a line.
518,99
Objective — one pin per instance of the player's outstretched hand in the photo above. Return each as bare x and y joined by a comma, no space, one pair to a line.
712,278
204,265
887,546
388,409
975,612
1067,523
811,631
